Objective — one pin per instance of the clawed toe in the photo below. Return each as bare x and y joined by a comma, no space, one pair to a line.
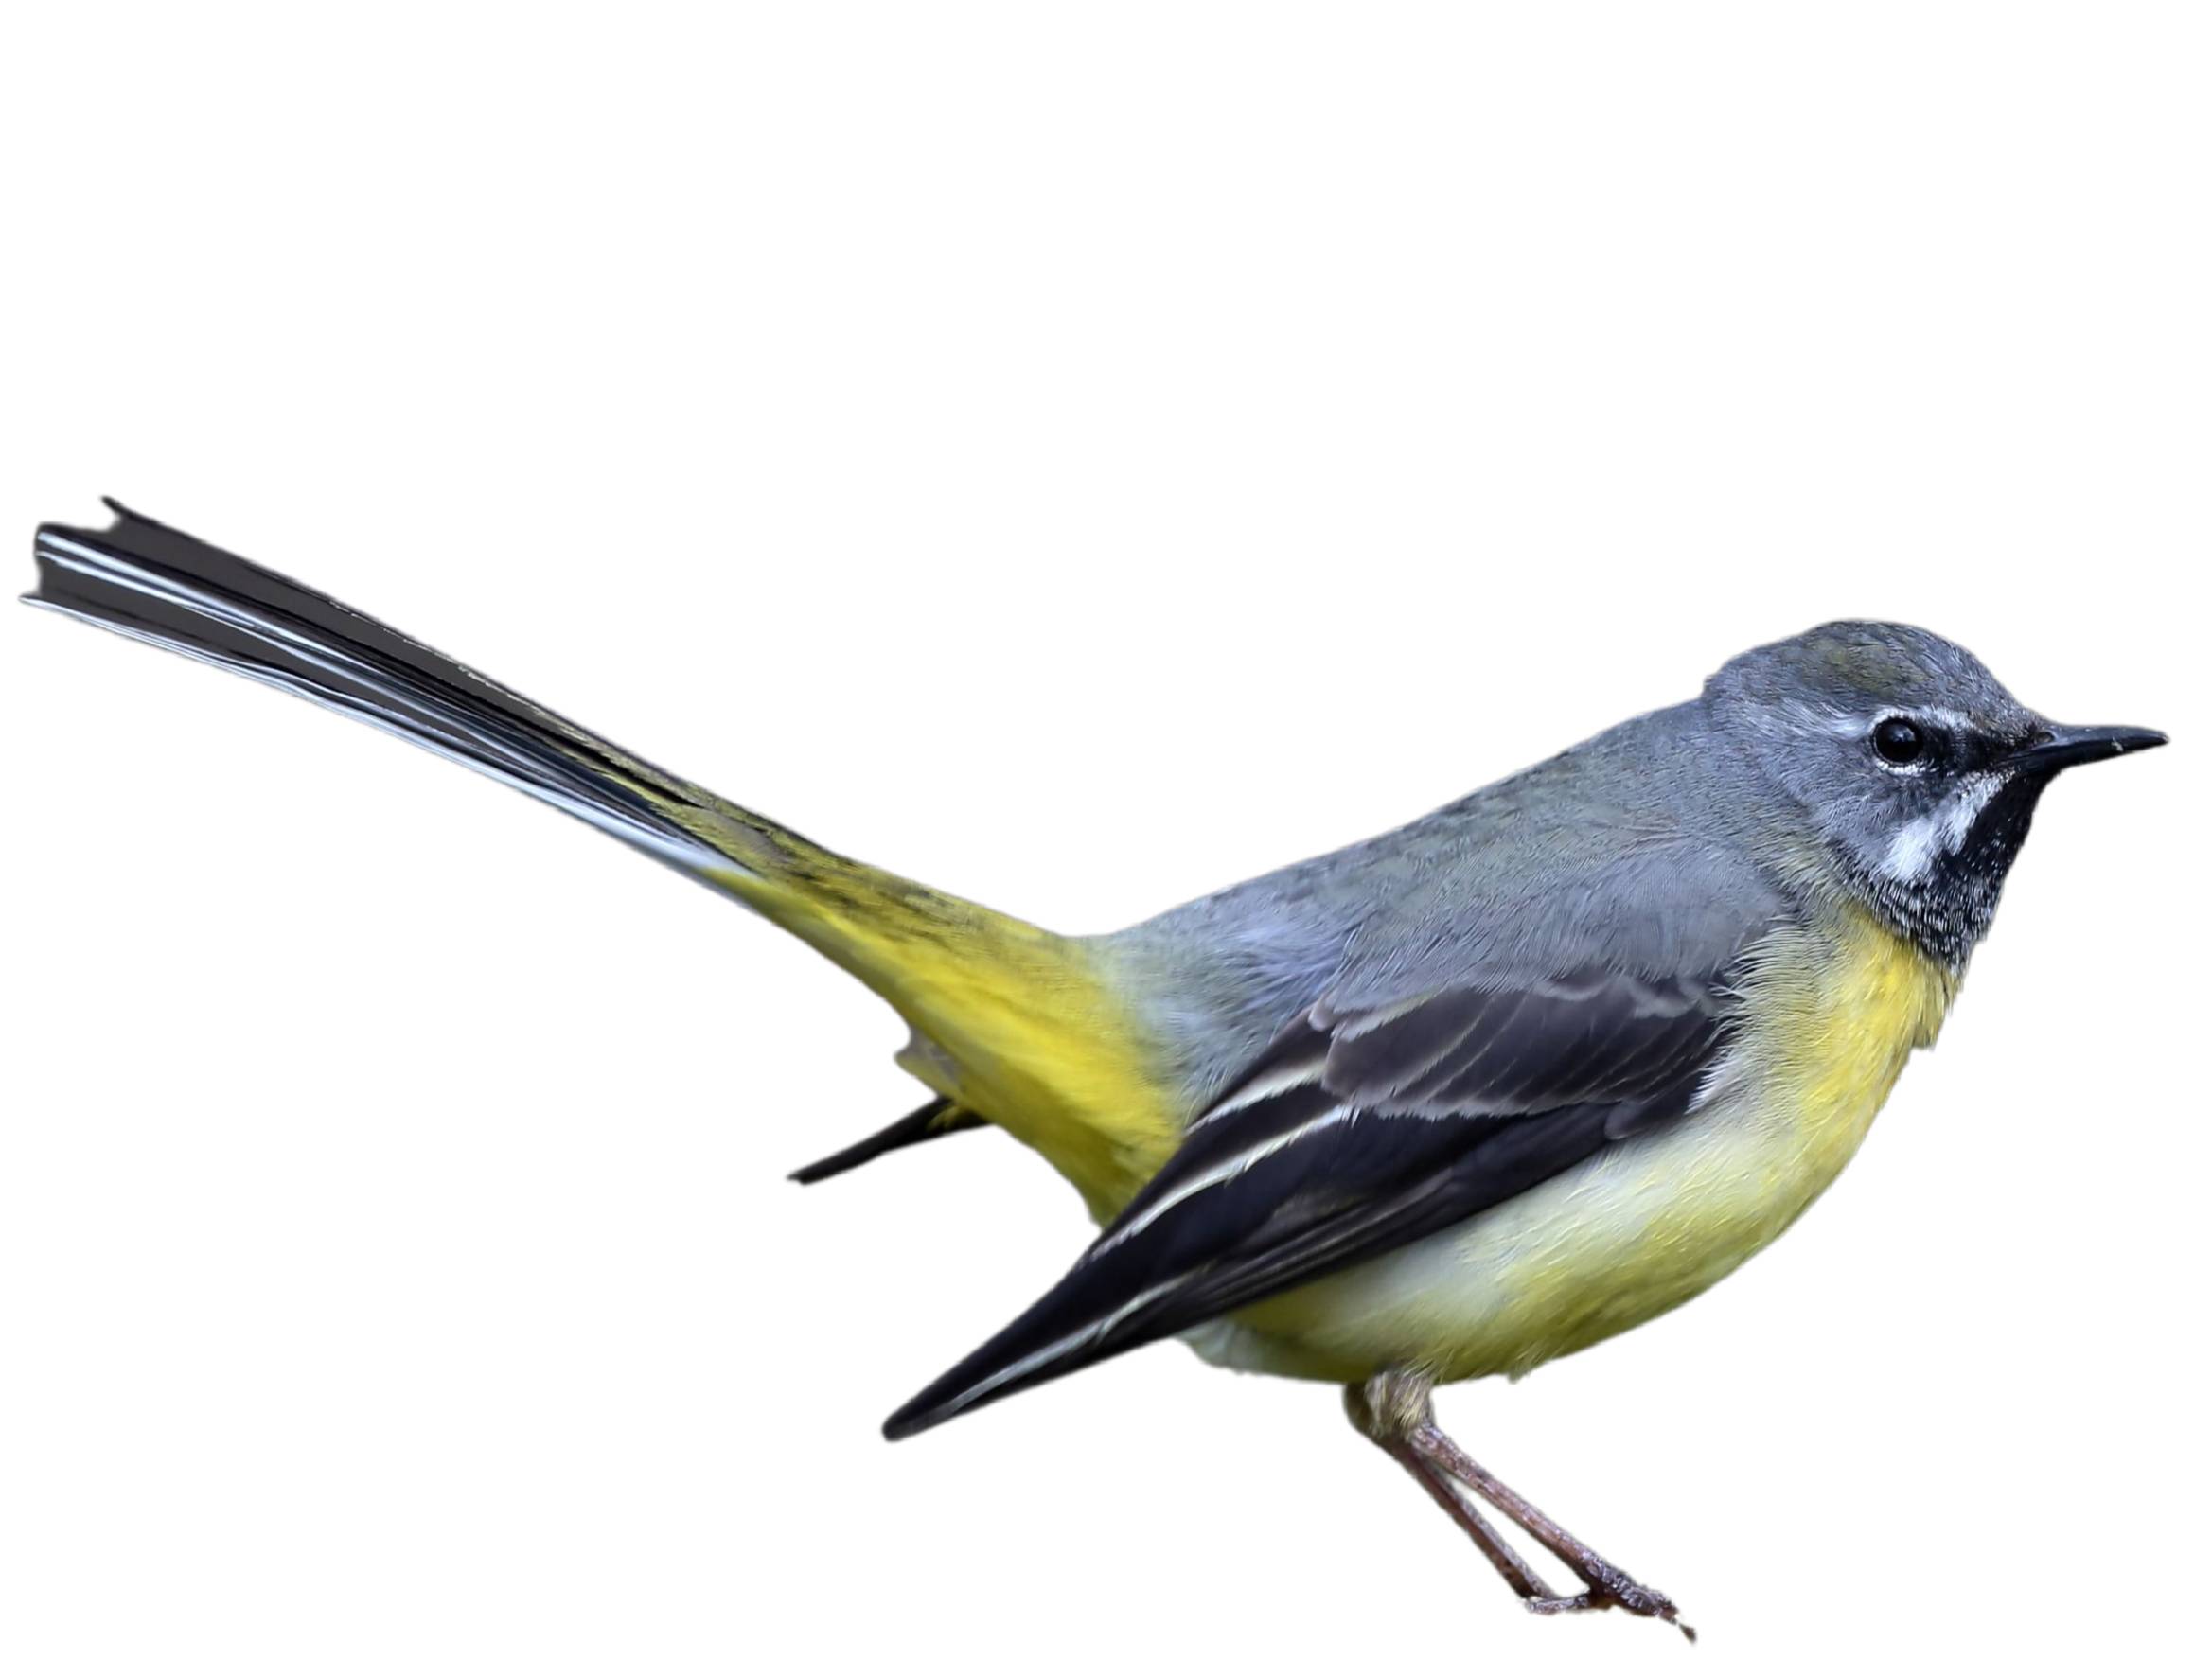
1582,1603
1626,1594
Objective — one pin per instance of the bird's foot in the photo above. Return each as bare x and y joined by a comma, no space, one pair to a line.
1622,1591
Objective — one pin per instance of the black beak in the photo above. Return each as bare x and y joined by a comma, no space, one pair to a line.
2074,746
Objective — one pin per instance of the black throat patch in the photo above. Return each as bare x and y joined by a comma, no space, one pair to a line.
1947,911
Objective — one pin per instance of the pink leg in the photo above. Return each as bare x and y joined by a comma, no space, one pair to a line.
1393,1411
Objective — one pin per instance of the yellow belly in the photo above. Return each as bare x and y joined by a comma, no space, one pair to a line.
1830,1014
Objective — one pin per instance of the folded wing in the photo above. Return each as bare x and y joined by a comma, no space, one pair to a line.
1362,1128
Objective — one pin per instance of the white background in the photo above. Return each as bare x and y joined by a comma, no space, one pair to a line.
1078,456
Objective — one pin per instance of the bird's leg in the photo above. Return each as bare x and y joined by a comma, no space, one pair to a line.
1393,1411
1455,1502
1608,1586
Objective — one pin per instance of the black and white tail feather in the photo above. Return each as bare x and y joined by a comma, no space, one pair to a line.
141,579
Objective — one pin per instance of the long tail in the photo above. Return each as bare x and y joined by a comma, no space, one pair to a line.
1011,1022
141,579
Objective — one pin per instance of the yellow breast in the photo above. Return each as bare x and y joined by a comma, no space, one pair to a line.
1830,1014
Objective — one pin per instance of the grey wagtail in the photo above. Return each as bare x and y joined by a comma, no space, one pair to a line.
1453,1102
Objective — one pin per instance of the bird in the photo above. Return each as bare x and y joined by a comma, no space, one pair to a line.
1453,1102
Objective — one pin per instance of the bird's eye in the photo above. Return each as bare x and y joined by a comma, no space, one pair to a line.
1899,742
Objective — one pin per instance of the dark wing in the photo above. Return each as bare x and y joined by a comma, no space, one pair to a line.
1359,1130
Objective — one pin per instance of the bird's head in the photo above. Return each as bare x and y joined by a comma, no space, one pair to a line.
1915,769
